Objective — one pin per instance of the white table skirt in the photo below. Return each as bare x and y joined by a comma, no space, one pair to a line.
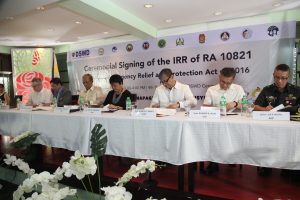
174,139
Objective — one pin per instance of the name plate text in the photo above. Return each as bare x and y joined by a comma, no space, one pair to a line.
92,111
205,114
143,113
63,110
276,116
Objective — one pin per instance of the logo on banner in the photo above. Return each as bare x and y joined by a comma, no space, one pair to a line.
247,33
114,49
273,30
36,57
129,47
225,36
162,43
201,38
100,51
146,45
179,41
81,54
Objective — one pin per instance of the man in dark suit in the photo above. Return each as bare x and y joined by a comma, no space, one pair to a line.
63,96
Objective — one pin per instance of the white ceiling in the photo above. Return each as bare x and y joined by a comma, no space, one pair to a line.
55,25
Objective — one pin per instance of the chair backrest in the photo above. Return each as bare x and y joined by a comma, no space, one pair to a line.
75,99
18,96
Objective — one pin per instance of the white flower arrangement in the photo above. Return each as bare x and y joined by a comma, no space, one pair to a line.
79,166
136,170
21,136
23,166
118,192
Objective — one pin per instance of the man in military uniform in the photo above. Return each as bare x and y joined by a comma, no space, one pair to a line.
280,92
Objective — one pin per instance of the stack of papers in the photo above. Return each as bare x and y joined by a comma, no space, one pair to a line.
163,111
43,108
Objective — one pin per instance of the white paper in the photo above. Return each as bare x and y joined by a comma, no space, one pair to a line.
272,116
281,106
163,111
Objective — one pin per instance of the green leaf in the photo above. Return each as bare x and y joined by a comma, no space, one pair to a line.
25,142
98,140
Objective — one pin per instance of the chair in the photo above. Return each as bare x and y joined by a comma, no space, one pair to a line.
75,99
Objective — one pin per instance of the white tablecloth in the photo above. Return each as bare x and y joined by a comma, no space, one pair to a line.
174,139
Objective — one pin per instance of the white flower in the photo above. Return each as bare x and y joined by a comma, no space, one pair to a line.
21,136
23,166
116,193
10,159
80,166
151,198
136,170
18,194
58,174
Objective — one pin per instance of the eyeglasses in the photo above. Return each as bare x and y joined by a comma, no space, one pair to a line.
281,78
165,81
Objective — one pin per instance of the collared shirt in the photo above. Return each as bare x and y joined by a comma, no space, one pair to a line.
213,94
179,93
271,95
38,98
94,95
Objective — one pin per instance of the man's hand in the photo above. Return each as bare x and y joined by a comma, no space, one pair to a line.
173,105
269,107
230,105
155,105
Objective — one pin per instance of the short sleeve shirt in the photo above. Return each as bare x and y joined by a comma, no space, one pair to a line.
271,95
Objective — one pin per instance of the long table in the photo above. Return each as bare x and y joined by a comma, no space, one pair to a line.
174,139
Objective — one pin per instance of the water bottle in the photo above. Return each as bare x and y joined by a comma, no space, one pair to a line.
54,102
81,102
128,103
223,104
19,103
244,108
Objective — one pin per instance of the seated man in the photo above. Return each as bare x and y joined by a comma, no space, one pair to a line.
92,95
233,93
280,92
3,95
172,93
116,98
63,96
40,95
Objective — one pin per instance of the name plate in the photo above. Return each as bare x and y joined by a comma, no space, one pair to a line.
143,113
63,110
205,114
92,111
24,108
276,116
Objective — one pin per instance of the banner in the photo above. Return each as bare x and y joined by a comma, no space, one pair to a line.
29,63
196,59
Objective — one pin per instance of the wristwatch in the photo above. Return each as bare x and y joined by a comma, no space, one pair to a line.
236,104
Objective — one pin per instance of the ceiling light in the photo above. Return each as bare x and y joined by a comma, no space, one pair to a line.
148,5
218,13
78,22
168,20
105,32
276,4
9,18
40,8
